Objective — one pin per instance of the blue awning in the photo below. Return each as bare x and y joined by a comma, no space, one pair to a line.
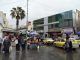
33,33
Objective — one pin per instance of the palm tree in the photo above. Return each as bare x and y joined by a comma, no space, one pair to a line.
18,13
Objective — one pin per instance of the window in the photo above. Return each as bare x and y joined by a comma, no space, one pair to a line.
57,25
51,19
51,26
67,23
67,15
38,22
39,28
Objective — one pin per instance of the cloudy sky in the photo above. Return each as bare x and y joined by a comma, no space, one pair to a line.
38,8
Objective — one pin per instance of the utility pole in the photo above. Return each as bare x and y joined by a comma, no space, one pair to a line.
27,18
27,15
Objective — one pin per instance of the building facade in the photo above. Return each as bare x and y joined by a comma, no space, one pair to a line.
3,22
38,25
65,21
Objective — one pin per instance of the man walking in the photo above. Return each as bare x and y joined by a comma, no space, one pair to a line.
6,44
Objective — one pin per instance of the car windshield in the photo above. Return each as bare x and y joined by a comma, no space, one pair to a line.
74,37
48,38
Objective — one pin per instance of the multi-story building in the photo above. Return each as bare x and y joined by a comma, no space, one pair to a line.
62,22
38,25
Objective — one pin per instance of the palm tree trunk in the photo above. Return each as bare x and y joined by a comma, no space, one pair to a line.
17,24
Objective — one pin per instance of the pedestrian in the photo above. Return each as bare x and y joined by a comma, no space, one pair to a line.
28,44
70,45
67,43
6,44
1,41
17,45
21,42
67,46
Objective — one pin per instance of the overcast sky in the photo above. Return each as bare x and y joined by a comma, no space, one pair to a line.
38,8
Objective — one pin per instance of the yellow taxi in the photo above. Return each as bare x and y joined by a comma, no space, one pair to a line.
78,41
48,40
61,43
75,38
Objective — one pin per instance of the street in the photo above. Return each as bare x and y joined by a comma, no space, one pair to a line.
44,53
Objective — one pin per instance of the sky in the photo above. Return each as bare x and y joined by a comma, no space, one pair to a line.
38,8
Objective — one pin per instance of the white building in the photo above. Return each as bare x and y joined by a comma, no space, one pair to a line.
61,22
3,22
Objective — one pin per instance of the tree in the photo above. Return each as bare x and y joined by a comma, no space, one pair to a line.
18,13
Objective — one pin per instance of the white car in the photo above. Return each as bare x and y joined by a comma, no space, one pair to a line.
75,39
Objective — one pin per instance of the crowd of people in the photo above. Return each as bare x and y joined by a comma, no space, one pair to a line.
18,41
34,41
6,43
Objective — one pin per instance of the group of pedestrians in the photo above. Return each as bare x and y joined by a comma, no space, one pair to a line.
34,43
20,42
6,43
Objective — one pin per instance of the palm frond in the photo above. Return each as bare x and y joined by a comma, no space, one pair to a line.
19,9
22,14
12,14
14,9
17,13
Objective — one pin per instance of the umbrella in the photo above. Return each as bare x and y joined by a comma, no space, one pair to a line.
78,33
68,33
33,33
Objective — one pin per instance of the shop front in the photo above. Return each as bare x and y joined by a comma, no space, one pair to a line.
54,33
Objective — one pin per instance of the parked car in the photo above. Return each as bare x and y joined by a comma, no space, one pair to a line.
75,38
61,43
48,41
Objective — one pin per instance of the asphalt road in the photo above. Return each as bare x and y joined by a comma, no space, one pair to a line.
43,53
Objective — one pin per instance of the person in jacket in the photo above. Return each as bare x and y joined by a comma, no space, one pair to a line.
6,44
68,44
21,42
1,41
